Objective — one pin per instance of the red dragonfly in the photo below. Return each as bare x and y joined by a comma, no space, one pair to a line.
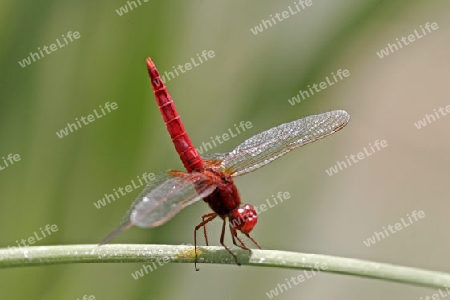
211,178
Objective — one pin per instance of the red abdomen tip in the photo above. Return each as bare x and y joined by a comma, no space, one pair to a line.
150,63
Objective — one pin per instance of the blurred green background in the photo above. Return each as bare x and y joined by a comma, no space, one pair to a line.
251,79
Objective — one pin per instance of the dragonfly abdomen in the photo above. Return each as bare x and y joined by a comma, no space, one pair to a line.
183,144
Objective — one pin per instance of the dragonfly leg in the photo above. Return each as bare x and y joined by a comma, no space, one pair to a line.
242,245
234,237
205,220
254,242
222,237
204,226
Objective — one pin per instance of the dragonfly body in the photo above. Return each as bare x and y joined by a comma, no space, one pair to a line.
224,200
211,178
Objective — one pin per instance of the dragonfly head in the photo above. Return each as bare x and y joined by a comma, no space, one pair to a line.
244,218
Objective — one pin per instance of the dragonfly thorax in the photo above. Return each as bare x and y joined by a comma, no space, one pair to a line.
225,198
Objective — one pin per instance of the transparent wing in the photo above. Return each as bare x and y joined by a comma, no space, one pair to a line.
213,160
271,144
162,203
163,198
214,156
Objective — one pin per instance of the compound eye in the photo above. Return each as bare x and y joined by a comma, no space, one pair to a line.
244,218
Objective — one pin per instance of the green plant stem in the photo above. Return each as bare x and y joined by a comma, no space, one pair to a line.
46,255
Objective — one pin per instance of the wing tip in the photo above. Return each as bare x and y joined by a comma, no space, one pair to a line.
113,234
342,123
